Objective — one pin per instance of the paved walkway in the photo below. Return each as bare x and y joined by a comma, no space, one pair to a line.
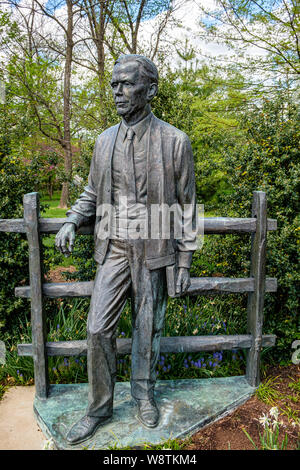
18,427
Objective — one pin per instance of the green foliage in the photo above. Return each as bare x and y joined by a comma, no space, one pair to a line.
218,101
45,163
269,161
66,320
173,102
206,105
266,391
15,181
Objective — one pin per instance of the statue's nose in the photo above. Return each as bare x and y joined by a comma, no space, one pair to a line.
119,88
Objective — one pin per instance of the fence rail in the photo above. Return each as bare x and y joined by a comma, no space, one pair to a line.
212,225
170,344
256,285
199,286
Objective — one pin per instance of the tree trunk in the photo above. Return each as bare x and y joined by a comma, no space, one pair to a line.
64,200
101,60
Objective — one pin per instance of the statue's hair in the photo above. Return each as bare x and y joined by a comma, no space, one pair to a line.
148,69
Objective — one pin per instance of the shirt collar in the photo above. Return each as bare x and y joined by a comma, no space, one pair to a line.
139,128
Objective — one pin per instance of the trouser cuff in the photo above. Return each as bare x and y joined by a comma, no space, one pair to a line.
142,389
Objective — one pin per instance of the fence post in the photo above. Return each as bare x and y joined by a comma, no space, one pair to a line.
256,298
31,218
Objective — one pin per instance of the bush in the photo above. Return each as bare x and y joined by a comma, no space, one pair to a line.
269,161
15,181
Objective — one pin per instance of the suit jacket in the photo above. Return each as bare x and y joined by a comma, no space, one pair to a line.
170,180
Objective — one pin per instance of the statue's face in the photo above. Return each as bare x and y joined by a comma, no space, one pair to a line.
131,91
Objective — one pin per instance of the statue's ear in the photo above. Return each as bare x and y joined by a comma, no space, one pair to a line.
152,90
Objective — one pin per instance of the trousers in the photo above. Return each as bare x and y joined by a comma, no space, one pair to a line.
122,274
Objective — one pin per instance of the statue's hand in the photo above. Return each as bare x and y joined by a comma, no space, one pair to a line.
65,236
183,281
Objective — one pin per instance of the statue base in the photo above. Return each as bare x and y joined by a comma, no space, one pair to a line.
185,407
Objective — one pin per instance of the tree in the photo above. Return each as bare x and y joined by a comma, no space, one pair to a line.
66,24
42,77
56,36
271,27
126,18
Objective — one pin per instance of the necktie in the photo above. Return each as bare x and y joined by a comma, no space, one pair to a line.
130,173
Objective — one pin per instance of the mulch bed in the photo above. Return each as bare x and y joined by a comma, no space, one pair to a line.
56,275
228,434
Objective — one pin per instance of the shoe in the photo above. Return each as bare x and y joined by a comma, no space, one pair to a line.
148,413
85,428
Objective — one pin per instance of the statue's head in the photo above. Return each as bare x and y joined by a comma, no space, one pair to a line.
134,84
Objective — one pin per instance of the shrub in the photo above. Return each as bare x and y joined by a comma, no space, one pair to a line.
268,161
15,181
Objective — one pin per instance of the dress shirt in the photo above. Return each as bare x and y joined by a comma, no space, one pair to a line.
128,216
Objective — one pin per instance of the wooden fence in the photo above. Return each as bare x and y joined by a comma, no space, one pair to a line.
256,285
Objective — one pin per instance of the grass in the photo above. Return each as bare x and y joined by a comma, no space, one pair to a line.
169,444
266,391
69,323
53,211
3,389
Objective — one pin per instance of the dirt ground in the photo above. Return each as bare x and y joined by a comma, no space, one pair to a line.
228,434
55,275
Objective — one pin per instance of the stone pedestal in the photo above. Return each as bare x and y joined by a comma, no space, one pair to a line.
185,407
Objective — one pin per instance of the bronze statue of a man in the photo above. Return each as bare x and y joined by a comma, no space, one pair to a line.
146,163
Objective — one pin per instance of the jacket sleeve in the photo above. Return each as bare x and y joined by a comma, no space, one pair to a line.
186,196
83,211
